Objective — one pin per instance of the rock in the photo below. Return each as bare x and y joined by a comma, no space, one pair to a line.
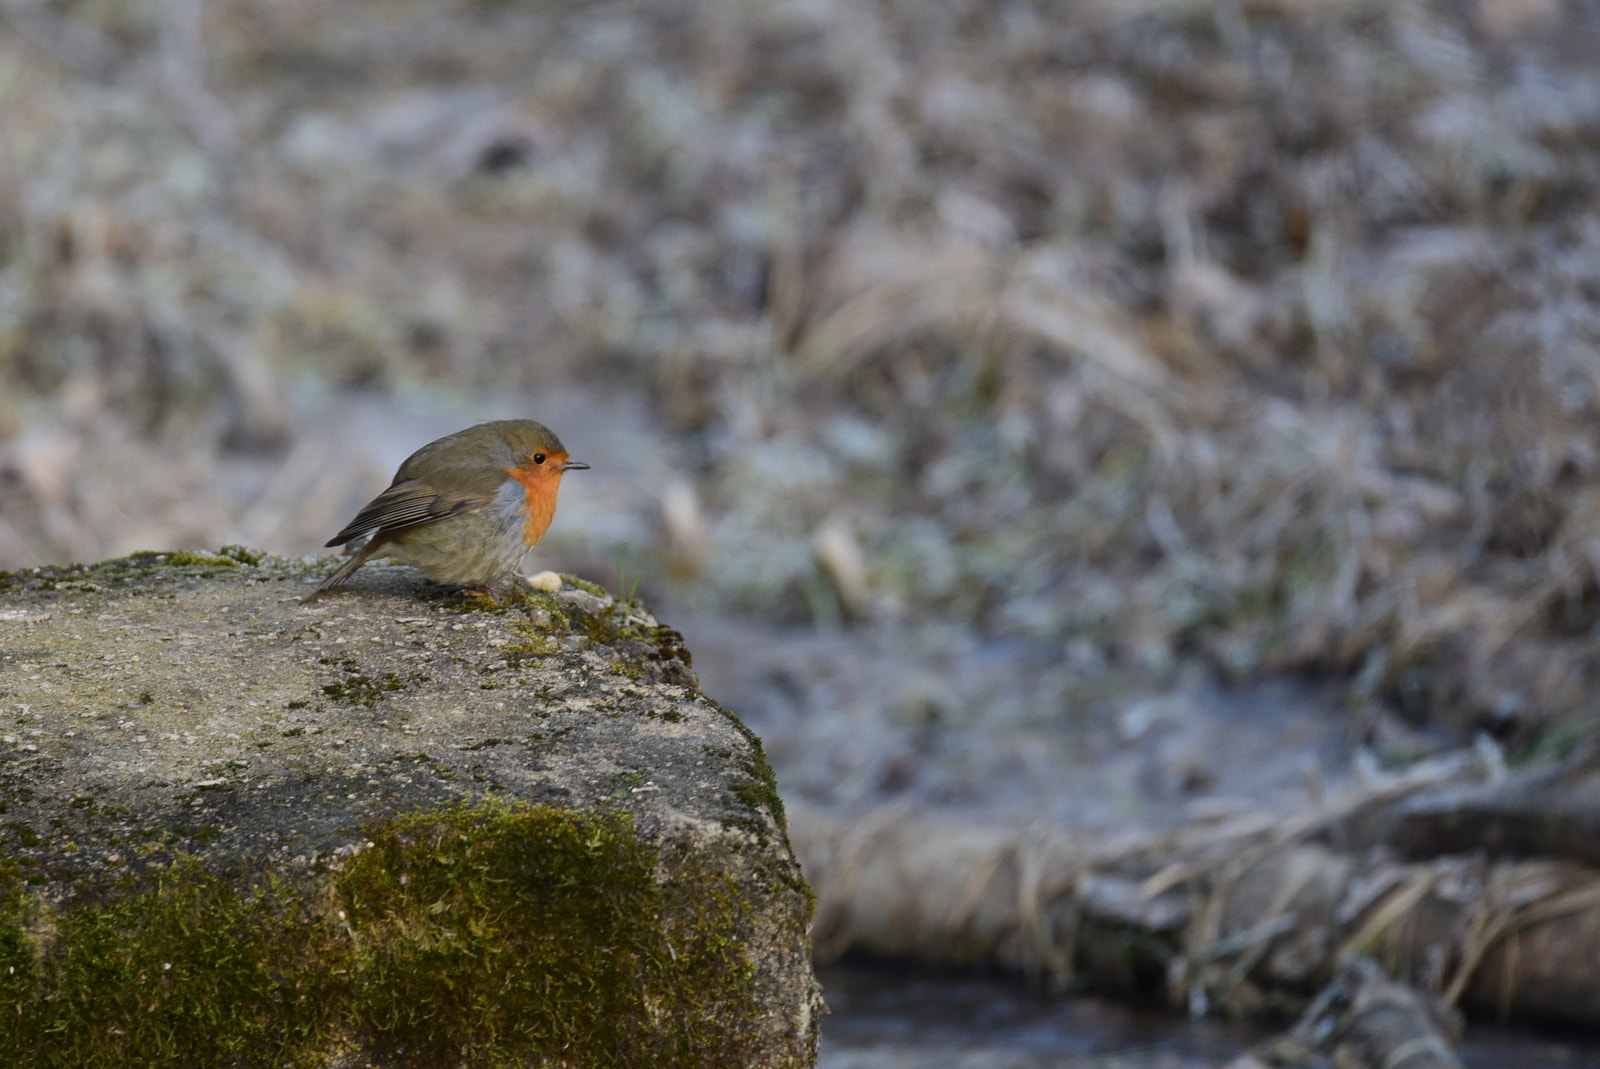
399,826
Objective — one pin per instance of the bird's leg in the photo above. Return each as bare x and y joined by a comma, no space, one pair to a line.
484,591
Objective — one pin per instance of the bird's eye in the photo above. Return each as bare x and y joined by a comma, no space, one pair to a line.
538,458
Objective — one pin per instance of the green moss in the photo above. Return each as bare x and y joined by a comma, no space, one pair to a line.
191,558
244,555
355,688
17,964
602,631
759,787
476,602
535,643
536,931
142,564
586,586
185,971
364,690
487,935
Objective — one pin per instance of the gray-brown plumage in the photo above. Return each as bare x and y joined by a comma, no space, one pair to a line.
464,509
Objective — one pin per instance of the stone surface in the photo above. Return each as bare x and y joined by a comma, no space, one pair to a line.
402,825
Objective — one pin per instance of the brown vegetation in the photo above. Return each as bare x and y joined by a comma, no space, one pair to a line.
1247,915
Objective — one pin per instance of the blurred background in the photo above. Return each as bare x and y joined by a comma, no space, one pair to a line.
1034,410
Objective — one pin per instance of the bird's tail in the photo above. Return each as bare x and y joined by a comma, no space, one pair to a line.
345,570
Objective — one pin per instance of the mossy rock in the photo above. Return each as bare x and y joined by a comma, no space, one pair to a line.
395,827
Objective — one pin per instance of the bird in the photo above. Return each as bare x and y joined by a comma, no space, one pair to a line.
464,509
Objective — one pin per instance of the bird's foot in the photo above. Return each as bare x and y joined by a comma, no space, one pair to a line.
485,592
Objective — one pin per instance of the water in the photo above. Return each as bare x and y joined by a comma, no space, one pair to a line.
898,1019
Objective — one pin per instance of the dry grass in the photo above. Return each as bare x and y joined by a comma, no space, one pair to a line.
1267,330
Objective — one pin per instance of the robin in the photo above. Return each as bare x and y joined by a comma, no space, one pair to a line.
465,509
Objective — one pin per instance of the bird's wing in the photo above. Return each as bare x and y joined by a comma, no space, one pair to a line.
406,504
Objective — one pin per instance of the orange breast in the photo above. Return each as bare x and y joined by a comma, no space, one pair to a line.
540,483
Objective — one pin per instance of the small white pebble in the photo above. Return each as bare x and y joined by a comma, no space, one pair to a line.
549,582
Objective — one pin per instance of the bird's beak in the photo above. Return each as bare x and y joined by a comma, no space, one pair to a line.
574,465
